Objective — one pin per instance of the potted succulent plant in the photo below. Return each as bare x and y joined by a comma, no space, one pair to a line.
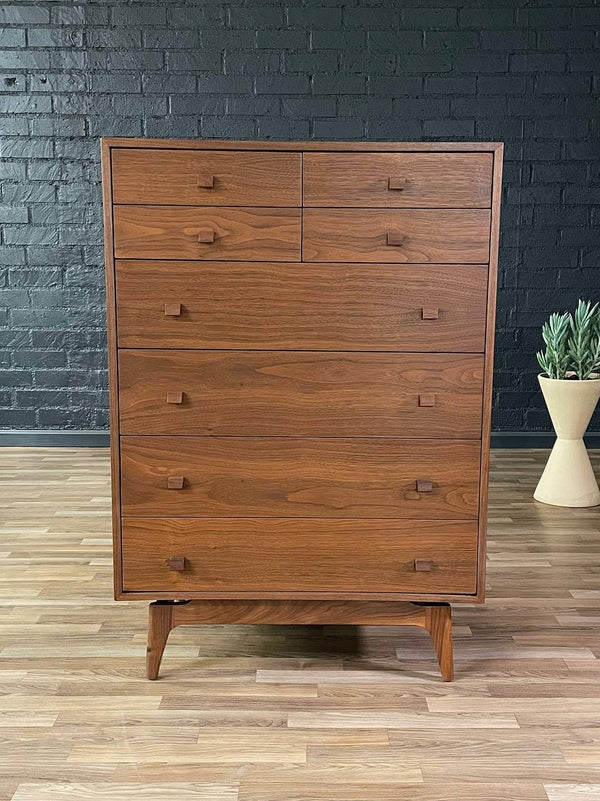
570,384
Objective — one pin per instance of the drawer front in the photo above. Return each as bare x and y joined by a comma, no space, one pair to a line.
301,306
300,394
278,477
206,178
449,236
397,180
254,555
187,232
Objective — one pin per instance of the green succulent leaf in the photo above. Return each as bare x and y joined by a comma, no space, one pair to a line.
572,343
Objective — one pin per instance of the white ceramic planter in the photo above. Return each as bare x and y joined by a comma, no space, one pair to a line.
568,478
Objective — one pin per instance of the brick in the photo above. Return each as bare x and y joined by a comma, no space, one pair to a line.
451,85
486,18
396,41
13,214
537,62
14,126
453,41
259,106
282,40
25,105
263,17
12,37
434,18
372,17
121,84
314,18
138,16
17,418
346,41
308,107
339,129
501,85
54,37
279,128
282,84
98,37
24,59
564,84
395,86
339,84
57,82
22,14
39,359
449,128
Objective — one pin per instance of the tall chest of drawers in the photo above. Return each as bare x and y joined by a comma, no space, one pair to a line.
300,353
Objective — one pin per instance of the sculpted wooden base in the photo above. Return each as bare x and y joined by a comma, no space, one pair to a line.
166,615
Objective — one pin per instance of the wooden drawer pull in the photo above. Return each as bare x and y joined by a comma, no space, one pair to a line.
430,313
175,397
427,399
206,181
396,183
175,482
396,240
206,237
172,309
424,485
177,563
423,565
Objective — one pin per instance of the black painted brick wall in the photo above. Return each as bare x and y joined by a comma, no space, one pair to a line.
71,73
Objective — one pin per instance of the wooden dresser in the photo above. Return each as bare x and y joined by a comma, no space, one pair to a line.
300,348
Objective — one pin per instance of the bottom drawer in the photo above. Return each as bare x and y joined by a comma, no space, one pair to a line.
298,555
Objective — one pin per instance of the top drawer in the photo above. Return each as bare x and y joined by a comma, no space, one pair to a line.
206,178
396,180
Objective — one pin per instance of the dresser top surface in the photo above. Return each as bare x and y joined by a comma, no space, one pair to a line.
232,144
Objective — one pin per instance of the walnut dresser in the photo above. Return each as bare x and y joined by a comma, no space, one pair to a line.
300,347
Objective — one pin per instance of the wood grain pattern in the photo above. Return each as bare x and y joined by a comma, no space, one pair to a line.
269,146
435,618
113,367
490,333
170,177
251,555
171,232
300,394
352,702
438,180
450,236
275,477
301,306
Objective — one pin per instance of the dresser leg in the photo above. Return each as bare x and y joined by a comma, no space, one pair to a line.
438,622
436,618
160,623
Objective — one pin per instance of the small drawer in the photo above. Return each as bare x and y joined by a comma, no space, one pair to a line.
244,305
213,234
398,180
398,236
293,477
257,555
205,177
263,393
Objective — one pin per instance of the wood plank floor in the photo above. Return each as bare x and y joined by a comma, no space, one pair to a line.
292,714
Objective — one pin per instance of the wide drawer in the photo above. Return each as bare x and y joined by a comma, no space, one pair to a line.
449,236
301,306
253,555
396,180
293,477
188,232
262,393
206,177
